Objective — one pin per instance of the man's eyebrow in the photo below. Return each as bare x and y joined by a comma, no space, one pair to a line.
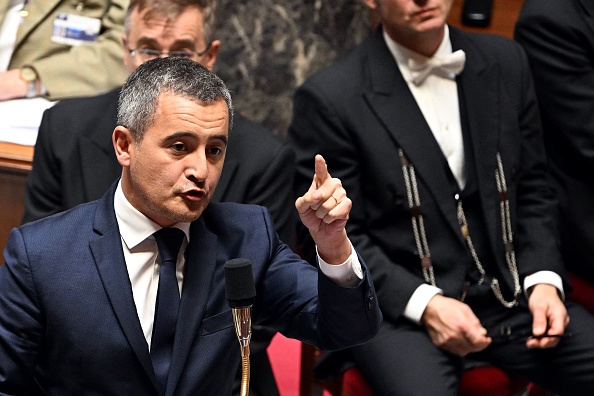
186,43
146,41
182,134
223,138
176,44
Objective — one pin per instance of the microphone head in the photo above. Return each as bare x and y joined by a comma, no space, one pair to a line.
239,283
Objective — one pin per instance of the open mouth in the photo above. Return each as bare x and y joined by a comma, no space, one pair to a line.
194,195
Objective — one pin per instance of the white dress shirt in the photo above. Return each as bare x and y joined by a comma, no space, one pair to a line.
437,98
142,261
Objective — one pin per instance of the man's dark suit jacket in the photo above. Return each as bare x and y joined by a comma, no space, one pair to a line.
74,162
357,114
67,314
558,36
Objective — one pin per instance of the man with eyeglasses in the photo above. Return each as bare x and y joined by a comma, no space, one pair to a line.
147,54
74,159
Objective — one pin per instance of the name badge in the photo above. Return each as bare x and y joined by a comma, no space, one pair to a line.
74,29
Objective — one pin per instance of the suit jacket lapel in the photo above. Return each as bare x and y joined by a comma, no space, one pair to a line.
198,276
38,11
479,86
109,259
389,92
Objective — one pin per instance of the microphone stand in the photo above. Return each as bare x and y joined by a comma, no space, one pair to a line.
243,328
241,292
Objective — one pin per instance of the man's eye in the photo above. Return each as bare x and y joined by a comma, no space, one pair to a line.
149,52
179,147
216,151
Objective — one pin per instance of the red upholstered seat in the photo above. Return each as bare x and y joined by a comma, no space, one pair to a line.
583,292
490,381
353,384
480,381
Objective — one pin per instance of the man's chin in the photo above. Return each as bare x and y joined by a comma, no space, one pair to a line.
193,211
190,210
189,216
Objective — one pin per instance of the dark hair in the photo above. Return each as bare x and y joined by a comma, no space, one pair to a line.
172,9
139,96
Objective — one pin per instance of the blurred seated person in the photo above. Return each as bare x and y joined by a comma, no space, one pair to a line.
74,161
43,53
436,134
558,36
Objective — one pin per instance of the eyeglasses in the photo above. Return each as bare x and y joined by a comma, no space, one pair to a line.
147,54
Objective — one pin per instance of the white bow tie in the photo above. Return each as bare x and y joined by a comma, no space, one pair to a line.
447,66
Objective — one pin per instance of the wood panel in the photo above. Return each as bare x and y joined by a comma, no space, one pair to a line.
15,156
503,17
15,163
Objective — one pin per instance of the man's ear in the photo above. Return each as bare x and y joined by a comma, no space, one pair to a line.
210,57
123,142
371,4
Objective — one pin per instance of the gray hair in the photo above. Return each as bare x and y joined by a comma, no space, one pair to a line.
139,96
172,9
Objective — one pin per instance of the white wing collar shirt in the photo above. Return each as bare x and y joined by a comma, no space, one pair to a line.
436,93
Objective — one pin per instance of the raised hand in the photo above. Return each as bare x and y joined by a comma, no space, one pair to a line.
324,209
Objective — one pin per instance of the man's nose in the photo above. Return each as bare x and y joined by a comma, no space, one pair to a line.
197,166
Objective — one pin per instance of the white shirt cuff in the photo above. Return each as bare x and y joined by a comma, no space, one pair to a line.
548,277
418,302
347,274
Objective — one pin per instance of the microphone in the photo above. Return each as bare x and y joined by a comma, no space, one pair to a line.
240,292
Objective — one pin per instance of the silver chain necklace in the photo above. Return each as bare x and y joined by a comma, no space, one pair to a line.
418,227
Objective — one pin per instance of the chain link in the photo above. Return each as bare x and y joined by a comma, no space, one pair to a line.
418,225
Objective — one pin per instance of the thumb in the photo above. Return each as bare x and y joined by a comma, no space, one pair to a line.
539,322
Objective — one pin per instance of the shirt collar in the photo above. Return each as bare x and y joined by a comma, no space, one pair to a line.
402,54
134,226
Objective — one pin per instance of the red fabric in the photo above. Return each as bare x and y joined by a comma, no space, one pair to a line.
285,359
484,381
535,390
480,381
583,292
490,381
353,384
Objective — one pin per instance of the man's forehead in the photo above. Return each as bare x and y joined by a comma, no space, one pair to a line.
169,101
169,94
169,16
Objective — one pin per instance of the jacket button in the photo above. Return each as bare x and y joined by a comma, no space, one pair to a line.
370,302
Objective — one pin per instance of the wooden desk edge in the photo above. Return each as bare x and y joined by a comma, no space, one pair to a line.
16,156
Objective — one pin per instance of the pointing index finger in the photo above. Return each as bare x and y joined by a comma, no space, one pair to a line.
321,170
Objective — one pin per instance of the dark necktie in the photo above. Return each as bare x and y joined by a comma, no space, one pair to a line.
169,241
